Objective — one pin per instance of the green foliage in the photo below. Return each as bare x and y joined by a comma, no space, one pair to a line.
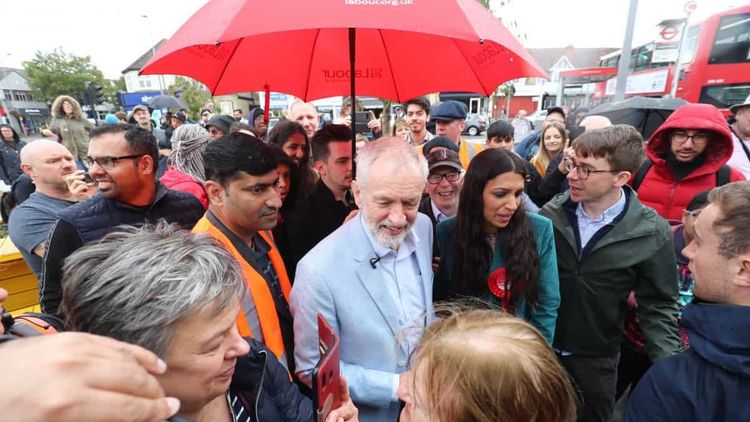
61,73
193,93
110,90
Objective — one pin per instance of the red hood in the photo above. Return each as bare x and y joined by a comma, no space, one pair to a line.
695,117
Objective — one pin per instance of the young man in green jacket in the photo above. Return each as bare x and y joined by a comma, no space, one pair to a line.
609,244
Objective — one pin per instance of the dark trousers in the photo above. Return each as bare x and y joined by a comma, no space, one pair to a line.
596,381
633,365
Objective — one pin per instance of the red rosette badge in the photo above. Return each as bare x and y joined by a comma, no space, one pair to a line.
496,284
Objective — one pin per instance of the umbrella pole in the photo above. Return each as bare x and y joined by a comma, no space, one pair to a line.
267,104
353,114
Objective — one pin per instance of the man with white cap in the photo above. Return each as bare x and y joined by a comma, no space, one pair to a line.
740,159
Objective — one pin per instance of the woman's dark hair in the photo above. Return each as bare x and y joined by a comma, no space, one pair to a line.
285,129
472,253
15,134
291,198
306,177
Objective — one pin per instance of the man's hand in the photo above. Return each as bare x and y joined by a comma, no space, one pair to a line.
81,377
374,125
347,412
567,154
78,187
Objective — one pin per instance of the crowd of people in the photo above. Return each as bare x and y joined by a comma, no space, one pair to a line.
524,278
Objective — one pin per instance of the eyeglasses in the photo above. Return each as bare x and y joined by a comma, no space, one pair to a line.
583,172
452,176
108,163
697,138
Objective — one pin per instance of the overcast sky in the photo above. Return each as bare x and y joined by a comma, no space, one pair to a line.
115,34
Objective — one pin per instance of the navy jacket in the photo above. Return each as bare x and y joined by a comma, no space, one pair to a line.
97,216
263,386
708,382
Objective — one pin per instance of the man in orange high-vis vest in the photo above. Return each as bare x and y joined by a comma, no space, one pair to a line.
241,185
450,121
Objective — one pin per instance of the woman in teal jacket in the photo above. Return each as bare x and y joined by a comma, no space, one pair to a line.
494,250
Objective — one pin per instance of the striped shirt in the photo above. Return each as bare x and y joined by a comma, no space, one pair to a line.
239,413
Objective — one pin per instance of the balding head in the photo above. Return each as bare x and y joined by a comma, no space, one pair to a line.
47,163
40,149
595,122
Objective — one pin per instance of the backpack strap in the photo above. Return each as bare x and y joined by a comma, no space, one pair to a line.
641,174
722,176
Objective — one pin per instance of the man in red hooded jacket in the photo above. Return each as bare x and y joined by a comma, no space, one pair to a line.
687,154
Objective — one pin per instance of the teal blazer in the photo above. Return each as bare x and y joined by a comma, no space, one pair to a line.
544,316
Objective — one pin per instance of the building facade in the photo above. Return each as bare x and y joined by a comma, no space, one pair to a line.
18,107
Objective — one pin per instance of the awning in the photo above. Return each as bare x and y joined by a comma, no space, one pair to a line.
588,75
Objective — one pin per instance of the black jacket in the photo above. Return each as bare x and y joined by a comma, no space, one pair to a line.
10,161
265,390
311,221
93,218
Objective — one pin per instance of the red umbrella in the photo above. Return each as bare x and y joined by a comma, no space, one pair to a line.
403,48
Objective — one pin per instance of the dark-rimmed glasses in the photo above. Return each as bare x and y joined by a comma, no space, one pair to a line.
451,176
108,163
697,137
584,172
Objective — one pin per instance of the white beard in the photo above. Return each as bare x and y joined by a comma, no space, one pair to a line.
390,242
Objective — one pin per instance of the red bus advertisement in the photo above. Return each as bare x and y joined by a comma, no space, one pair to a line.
714,63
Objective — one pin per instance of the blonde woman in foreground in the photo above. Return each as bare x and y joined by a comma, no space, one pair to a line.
485,366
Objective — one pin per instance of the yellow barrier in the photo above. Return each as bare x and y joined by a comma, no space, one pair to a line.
18,280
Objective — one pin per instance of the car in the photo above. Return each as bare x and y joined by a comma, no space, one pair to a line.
537,118
475,125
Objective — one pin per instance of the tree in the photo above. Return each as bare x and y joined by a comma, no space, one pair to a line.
61,73
192,93
111,88
507,89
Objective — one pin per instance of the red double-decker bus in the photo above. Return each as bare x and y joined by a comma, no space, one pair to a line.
714,63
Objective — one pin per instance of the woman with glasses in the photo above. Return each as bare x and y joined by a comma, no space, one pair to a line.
494,250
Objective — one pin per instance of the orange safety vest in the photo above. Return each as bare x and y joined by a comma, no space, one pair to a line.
466,151
256,284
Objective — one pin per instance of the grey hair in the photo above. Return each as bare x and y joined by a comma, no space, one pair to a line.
400,154
188,143
137,284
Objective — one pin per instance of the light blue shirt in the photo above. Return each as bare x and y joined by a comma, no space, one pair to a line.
439,216
403,280
587,226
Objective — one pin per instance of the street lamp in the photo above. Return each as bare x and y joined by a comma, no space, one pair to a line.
153,51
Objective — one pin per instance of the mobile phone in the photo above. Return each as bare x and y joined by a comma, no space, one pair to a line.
326,382
362,118
88,179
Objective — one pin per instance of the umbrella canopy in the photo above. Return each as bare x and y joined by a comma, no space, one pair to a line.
404,48
644,113
166,101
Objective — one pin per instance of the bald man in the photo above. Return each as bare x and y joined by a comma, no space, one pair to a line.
47,163
305,114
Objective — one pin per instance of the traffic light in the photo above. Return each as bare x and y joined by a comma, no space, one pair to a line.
95,94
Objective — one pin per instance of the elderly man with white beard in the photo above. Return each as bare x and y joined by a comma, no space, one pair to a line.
371,279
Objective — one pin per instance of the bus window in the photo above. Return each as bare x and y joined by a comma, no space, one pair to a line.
610,62
724,96
690,44
732,41
642,57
